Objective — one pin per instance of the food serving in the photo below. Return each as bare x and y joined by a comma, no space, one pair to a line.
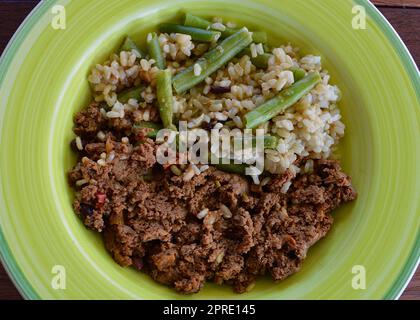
185,223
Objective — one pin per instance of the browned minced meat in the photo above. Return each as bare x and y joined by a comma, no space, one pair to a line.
148,215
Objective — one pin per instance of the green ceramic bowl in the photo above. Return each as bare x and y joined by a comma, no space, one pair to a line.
43,83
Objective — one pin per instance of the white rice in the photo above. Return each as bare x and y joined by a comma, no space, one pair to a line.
253,49
285,187
202,213
125,140
218,26
101,136
226,211
259,48
188,174
79,144
81,182
197,69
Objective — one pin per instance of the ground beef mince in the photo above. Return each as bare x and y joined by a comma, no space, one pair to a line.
153,220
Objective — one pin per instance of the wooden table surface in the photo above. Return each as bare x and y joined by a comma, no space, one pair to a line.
404,15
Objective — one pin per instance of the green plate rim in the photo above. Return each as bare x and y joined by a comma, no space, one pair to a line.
6,257
411,68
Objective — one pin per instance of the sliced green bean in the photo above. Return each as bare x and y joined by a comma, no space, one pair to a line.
195,33
154,127
132,93
232,168
129,45
227,32
270,142
148,177
230,124
283,100
259,37
197,22
175,170
212,60
298,73
165,98
227,165
155,51
260,61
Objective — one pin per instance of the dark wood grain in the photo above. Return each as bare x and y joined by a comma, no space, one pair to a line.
397,3
405,21
7,289
11,16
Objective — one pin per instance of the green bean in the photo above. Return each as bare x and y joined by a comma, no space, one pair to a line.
165,98
195,33
154,127
232,168
228,32
129,45
227,165
148,177
197,22
298,73
260,61
270,142
132,93
212,60
155,50
175,170
259,37
230,124
283,100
